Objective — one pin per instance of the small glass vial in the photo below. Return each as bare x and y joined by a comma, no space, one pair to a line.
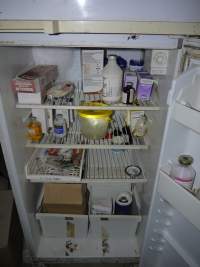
182,172
59,126
140,127
34,130
128,94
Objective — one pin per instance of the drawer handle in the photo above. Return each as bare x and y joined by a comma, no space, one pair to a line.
69,218
104,219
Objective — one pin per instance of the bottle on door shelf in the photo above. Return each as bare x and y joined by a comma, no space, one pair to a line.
140,127
182,171
34,130
112,81
59,126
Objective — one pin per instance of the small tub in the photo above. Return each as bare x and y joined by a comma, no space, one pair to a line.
94,123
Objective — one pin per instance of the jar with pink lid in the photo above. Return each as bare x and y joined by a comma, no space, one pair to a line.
182,172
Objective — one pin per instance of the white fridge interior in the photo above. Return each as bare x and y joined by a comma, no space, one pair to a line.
126,233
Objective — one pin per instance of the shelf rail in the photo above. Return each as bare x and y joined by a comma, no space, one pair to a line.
79,97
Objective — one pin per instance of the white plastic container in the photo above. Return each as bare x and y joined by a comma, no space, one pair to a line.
59,126
112,81
182,172
63,225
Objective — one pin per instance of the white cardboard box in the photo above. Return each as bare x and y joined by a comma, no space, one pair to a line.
30,98
156,61
92,66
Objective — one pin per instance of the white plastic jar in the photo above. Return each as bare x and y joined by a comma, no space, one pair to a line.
112,81
182,172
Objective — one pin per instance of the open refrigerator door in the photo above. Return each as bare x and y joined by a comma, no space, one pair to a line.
172,231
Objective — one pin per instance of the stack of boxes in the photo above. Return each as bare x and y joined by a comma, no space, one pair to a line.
31,86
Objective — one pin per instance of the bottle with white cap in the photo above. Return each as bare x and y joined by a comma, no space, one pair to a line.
112,81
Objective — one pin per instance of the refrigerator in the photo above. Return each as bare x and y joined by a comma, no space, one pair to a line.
164,229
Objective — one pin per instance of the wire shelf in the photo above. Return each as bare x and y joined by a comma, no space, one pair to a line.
95,166
109,165
37,171
74,138
74,101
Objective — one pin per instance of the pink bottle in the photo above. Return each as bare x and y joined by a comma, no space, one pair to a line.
182,172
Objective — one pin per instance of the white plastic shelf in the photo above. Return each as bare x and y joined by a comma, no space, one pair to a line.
180,198
74,102
109,165
74,138
187,116
37,171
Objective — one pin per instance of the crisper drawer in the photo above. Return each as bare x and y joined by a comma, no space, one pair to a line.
61,225
113,226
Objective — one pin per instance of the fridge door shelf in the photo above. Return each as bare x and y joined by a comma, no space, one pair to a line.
37,171
74,102
74,138
108,166
180,198
187,116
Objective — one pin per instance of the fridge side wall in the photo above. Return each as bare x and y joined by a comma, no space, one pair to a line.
13,137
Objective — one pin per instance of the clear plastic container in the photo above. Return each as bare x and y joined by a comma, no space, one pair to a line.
112,81
34,130
140,127
182,171
94,123
59,126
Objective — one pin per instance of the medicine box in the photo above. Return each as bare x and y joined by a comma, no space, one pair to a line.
92,67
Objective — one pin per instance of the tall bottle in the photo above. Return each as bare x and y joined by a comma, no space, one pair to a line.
112,81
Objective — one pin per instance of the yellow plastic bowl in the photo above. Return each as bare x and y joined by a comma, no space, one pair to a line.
94,123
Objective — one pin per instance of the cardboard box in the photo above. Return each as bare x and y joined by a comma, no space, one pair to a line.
156,61
64,198
145,85
35,79
33,98
92,67
130,77
30,98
